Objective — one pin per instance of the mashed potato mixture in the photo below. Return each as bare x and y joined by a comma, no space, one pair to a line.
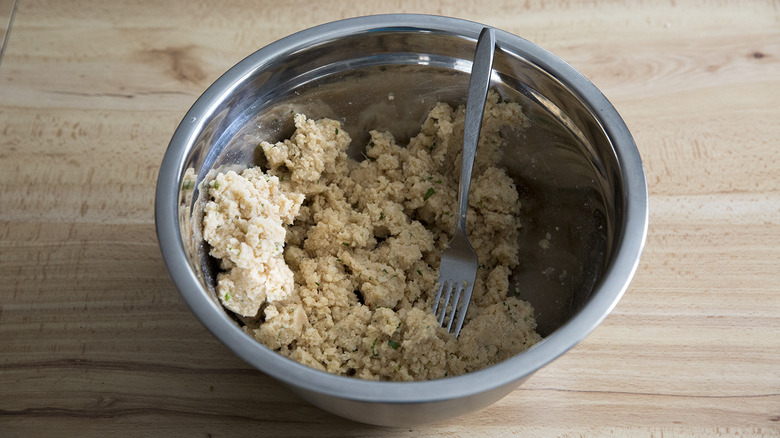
333,262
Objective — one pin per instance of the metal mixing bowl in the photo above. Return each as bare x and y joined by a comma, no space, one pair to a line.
576,166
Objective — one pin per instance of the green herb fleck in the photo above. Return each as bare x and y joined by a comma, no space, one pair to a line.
216,184
372,144
384,270
345,243
281,178
428,194
381,216
438,181
187,184
227,296
317,283
373,352
393,344
419,272
433,146
337,131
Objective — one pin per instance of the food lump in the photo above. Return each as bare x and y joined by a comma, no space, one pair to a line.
333,262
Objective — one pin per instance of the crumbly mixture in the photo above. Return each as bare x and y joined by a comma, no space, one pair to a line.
244,224
361,248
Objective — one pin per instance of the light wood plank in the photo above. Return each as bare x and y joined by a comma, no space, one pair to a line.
95,340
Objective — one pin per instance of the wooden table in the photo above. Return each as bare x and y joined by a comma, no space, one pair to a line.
96,341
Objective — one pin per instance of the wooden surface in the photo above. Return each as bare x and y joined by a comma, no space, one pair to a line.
95,340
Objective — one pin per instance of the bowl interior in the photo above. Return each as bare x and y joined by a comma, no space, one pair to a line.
564,164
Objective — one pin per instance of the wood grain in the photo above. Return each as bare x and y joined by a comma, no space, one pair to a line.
95,340
6,15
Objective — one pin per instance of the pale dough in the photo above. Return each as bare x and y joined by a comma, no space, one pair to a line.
361,242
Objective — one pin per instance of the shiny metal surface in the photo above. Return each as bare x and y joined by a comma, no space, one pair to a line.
459,261
577,168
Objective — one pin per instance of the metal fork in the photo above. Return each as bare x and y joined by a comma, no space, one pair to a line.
459,263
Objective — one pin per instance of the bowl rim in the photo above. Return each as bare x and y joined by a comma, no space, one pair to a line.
612,284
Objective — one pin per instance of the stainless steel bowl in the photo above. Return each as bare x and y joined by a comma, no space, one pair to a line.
577,168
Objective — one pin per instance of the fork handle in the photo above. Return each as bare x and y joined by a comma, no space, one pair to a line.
479,82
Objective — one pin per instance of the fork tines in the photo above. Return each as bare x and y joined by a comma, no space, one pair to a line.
446,299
